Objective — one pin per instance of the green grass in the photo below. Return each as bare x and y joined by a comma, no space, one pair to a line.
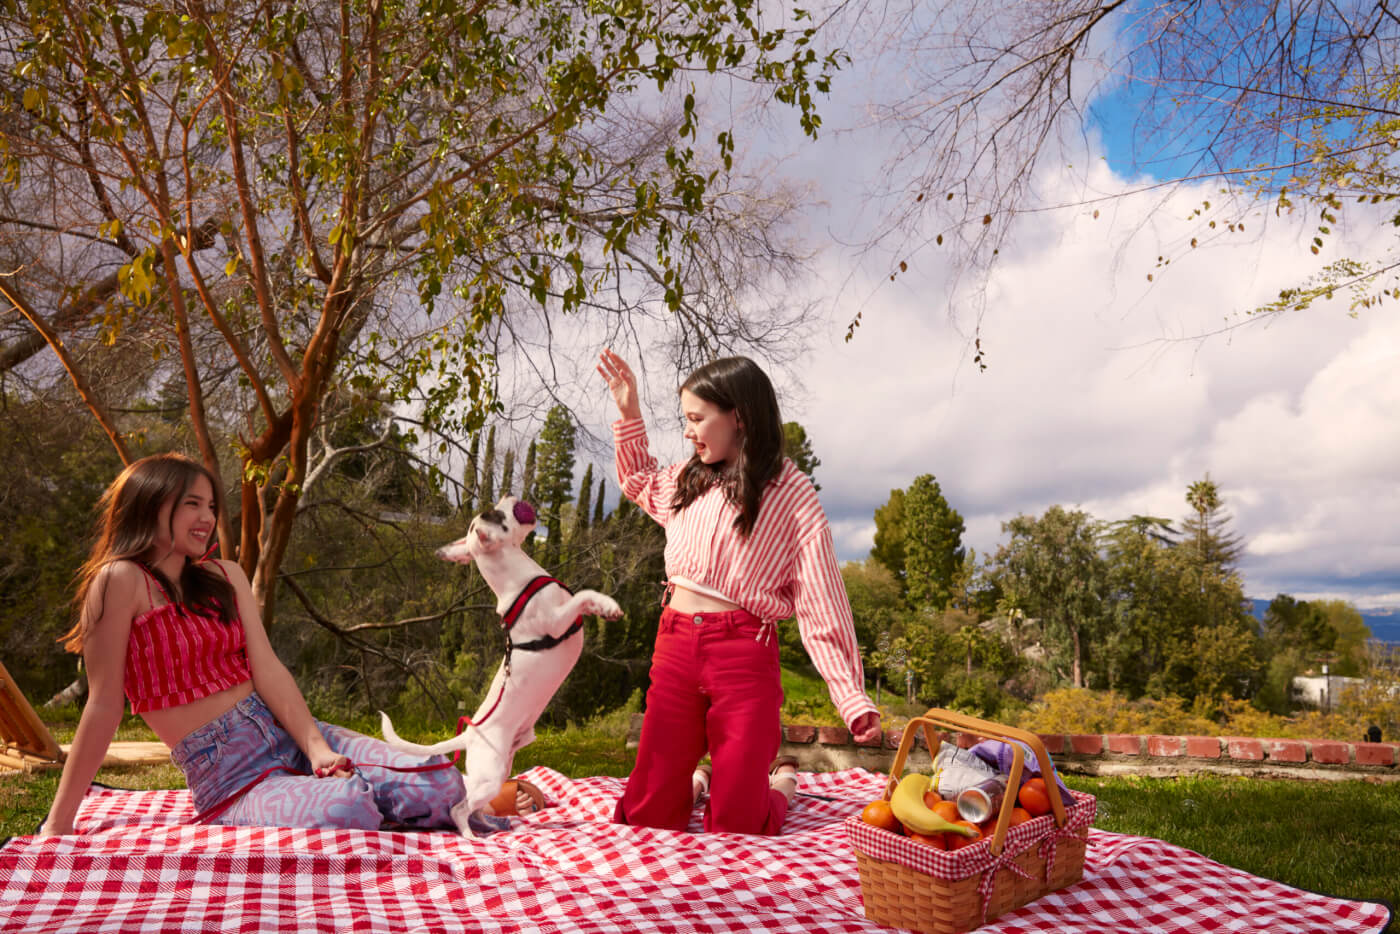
1338,838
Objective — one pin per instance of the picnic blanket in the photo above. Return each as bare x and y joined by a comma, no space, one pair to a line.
137,867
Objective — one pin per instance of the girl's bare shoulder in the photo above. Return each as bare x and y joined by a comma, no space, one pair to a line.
118,585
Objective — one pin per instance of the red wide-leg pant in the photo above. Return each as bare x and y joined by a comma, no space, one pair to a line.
715,686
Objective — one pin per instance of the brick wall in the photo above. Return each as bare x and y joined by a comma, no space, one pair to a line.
825,748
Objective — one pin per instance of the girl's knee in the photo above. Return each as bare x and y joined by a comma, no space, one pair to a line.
350,805
446,787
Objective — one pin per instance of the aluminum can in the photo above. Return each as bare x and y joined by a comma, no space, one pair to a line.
982,800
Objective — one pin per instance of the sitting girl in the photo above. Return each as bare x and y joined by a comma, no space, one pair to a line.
181,637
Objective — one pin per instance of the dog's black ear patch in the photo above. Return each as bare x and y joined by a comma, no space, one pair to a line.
524,512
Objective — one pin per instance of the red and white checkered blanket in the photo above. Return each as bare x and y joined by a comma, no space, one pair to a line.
138,868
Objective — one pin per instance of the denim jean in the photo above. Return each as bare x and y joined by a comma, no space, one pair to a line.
227,753
715,686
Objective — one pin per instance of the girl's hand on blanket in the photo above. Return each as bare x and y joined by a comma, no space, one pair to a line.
867,727
331,765
621,383
51,829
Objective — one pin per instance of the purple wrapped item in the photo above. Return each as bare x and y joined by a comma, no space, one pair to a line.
998,755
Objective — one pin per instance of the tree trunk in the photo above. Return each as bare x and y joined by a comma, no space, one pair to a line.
1077,673
70,694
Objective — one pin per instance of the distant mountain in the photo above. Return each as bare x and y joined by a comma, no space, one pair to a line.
1383,621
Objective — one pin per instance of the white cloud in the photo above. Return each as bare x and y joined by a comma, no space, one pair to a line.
1099,395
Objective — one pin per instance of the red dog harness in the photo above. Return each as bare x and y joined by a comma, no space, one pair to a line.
518,607
534,645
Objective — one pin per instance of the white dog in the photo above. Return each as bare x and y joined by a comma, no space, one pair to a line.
542,623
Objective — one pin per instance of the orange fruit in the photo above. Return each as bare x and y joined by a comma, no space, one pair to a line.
1019,816
931,798
878,814
1033,798
948,810
957,841
934,840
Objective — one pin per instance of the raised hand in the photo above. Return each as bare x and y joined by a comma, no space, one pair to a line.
621,383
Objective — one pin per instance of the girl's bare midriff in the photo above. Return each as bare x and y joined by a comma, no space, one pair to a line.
684,600
175,723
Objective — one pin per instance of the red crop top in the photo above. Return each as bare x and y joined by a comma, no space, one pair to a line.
175,655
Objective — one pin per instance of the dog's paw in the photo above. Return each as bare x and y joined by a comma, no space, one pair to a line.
604,606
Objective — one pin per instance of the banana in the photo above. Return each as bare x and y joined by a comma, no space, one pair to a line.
907,802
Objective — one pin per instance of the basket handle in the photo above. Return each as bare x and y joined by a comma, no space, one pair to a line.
938,717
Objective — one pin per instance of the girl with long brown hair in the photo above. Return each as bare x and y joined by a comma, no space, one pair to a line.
747,544
179,635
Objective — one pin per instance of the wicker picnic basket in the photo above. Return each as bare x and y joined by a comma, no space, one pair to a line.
907,884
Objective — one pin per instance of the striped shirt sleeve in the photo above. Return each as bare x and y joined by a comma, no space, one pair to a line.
639,476
826,626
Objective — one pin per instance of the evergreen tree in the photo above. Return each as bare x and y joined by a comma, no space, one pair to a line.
1224,644
527,479
932,545
585,497
469,476
554,476
798,446
488,471
508,473
1217,549
889,537
598,508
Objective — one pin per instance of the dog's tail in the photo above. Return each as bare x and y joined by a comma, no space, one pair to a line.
392,739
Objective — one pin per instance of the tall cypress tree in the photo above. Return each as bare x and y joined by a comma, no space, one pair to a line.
508,473
488,470
527,480
598,508
469,476
554,476
585,498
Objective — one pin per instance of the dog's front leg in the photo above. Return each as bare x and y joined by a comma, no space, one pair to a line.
587,603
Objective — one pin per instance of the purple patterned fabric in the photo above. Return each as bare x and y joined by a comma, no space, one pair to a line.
998,755
223,756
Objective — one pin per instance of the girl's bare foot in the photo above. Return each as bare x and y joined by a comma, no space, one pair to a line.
782,775
699,781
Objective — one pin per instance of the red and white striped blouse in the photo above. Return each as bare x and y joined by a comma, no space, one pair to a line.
175,656
786,567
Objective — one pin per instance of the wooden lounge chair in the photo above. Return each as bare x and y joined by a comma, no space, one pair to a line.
26,745
25,742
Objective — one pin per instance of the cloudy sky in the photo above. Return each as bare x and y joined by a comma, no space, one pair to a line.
1103,391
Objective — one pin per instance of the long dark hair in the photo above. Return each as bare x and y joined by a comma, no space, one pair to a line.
127,525
736,384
